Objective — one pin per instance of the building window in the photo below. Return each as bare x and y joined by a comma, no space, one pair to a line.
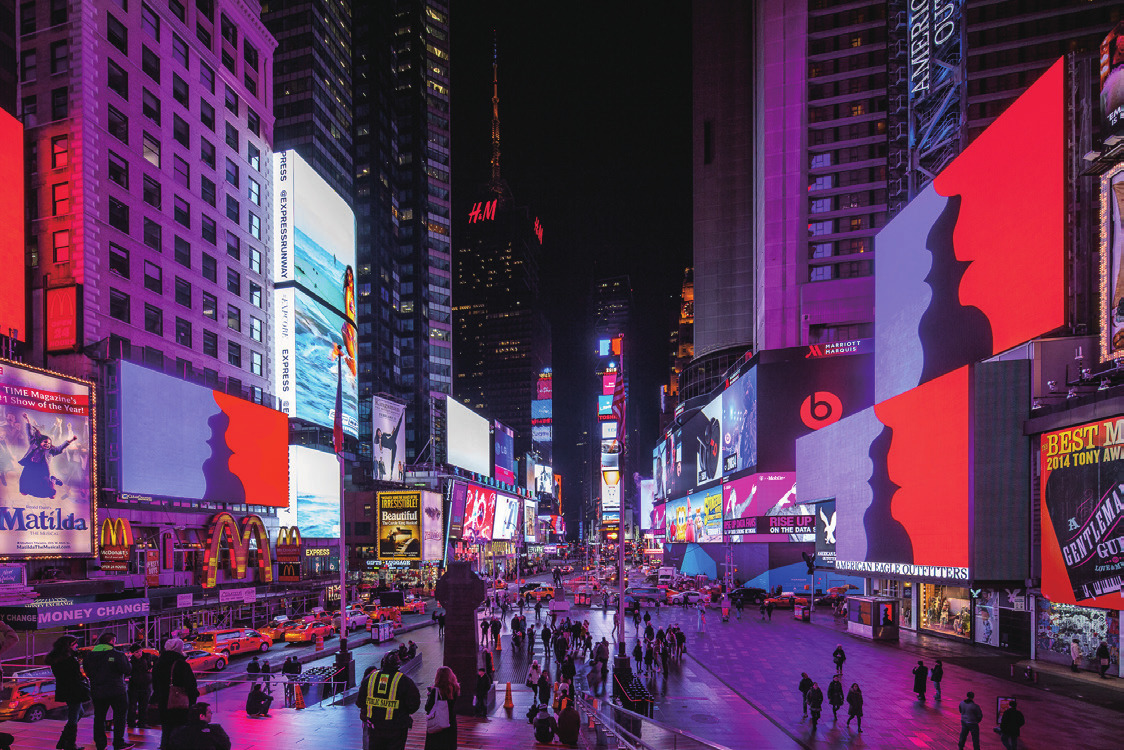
210,230
207,190
116,33
207,77
210,306
231,101
118,215
178,10
153,277
255,260
60,103
233,282
60,153
181,211
255,294
60,246
227,60
250,54
233,318
255,329
150,22
29,111
119,305
232,136
819,273
232,173
183,332
151,149
254,191
183,292
180,91
233,210
118,79
252,87
179,50
60,57
181,132
207,115
255,225
203,34
210,268
183,252
233,245
253,156
181,172
27,18
60,199
253,122
151,192
119,260
152,235
211,344
59,12
207,152
28,66
150,63
118,170
255,363
118,124
233,354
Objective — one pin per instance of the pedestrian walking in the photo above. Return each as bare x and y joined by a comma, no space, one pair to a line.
106,667
855,705
665,656
680,641
440,711
739,604
546,633
769,610
174,688
936,676
638,655
804,686
485,625
71,687
815,703
267,678
496,626
835,695
649,658
140,685
1010,724
198,733
762,608
920,675
253,670
538,609
1102,658
439,618
1074,654
386,699
838,656
970,717
533,675
489,666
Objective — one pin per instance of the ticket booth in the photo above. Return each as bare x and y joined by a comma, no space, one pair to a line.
873,617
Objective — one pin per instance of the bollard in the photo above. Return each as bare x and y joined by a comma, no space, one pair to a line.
507,702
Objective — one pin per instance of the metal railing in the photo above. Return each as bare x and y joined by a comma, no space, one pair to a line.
635,731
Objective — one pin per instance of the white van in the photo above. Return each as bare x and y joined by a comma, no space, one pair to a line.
665,576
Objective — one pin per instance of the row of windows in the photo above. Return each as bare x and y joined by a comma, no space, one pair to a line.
847,270
850,109
868,176
869,129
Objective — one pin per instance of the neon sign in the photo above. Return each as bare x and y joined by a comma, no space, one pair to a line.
484,212
116,544
239,544
538,229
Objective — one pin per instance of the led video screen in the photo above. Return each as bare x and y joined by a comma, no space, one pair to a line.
647,501
433,526
47,464
388,449
1112,263
479,514
544,479
530,514
759,496
469,439
199,444
505,453
399,520
695,518
314,493
506,524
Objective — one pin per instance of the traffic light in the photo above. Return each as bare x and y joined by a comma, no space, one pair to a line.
810,561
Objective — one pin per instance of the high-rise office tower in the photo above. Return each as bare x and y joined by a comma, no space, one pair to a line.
403,204
502,342
312,85
149,131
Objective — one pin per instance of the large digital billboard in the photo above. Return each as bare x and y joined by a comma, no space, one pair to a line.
200,444
314,493
433,526
469,439
695,518
504,440
506,524
758,496
307,337
1083,514
388,449
1112,262
825,534
47,464
479,514
530,516
647,500
458,496
13,247
399,519
544,479
1112,80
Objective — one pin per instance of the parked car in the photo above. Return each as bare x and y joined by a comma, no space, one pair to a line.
29,695
307,632
830,600
206,661
356,618
749,595
566,569
787,600
232,641
528,587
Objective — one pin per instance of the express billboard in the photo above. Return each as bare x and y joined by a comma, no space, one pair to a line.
479,514
504,440
399,518
389,446
47,463
314,493
468,440
506,524
1083,514
201,444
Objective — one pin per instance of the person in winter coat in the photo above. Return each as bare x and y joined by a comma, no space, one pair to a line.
267,678
483,684
198,733
970,717
1102,658
638,655
569,725
171,670
386,701
560,647
533,675
835,695
496,627
71,687
106,666
839,657
804,686
649,658
936,676
546,633
257,702
544,688
1009,726
569,669
1074,654
485,625
815,703
545,726
920,675
855,705
291,669
445,688
140,685
253,670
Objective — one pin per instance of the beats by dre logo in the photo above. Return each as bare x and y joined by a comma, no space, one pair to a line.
821,409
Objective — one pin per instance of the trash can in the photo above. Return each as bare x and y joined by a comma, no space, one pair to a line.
800,612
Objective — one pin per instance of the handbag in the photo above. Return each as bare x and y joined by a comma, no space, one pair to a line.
177,696
437,718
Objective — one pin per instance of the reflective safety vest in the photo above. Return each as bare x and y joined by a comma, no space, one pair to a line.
382,692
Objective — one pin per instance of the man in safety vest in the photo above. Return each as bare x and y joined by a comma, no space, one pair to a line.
386,699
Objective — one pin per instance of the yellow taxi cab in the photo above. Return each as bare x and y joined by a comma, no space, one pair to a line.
306,632
28,695
232,641
277,628
206,661
542,594
416,606
499,583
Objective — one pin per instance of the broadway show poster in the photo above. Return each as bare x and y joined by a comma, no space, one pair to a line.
388,449
46,471
1112,262
433,527
479,514
1083,514
400,525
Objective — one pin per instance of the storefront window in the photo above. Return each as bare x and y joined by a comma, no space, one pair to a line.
946,609
1059,624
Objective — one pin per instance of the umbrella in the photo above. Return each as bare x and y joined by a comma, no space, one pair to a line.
697,562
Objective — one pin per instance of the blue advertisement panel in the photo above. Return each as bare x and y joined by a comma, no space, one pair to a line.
504,439
314,493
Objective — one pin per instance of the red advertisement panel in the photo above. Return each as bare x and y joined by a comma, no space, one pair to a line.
479,514
62,318
13,283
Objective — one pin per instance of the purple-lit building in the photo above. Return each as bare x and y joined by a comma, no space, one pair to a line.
148,134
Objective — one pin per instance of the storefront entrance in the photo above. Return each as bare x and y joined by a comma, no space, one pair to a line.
946,610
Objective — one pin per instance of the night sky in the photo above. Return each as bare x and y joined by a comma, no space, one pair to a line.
595,135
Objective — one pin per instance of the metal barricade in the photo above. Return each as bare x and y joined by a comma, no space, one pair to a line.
628,729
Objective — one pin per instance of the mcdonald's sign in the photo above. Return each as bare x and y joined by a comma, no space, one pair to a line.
288,553
238,543
116,544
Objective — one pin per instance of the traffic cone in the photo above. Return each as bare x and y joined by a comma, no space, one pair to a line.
507,702
499,644
299,697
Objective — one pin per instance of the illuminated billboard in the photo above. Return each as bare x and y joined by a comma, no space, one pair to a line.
1083,514
544,479
479,514
433,526
313,233
13,246
306,336
1112,262
695,518
541,410
399,519
506,524
530,515
314,493
647,501
469,439
605,405
388,449
200,444
47,463
458,495
62,324
760,496
1112,80
504,440
658,521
